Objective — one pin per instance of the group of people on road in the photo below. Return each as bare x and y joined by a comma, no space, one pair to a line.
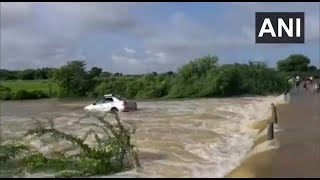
308,80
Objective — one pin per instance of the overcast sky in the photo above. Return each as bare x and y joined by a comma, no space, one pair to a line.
143,37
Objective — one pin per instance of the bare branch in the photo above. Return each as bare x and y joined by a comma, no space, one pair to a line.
91,131
51,122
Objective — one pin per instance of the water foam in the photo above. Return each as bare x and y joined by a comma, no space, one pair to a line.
218,157
265,146
237,140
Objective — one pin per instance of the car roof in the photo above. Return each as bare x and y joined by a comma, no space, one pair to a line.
114,96
108,95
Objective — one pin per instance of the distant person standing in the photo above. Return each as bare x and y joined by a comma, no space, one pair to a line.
311,79
297,81
317,88
305,86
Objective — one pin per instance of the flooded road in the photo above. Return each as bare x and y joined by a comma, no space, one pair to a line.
190,138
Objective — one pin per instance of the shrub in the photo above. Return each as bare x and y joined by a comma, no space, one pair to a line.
37,94
5,93
24,95
111,155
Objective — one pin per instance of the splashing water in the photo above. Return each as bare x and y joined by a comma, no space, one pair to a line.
192,138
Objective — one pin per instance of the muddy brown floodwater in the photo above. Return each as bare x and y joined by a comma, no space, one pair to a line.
189,138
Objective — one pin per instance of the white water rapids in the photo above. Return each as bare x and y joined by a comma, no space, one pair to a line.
190,138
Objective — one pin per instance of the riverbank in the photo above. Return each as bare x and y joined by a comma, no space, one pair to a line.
295,152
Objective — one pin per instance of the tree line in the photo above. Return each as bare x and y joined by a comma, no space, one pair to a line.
46,73
202,77
28,74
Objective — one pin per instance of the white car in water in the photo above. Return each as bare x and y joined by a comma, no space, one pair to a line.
112,103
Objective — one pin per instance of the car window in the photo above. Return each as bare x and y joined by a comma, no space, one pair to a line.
100,101
108,100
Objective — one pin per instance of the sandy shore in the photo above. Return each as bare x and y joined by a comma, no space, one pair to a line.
299,138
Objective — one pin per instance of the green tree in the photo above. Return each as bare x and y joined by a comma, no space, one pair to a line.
192,77
72,79
312,68
95,72
27,74
294,63
106,74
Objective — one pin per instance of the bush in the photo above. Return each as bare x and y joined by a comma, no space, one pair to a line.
114,152
200,78
37,94
5,93
3,88
24,95
227,80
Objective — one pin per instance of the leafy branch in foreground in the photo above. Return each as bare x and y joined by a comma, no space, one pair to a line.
113,154
9,151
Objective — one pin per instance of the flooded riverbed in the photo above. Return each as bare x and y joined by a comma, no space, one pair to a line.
190,138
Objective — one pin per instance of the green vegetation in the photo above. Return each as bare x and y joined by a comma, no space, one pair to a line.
31,85
298,64
28,74
114,153
203,77
27,89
